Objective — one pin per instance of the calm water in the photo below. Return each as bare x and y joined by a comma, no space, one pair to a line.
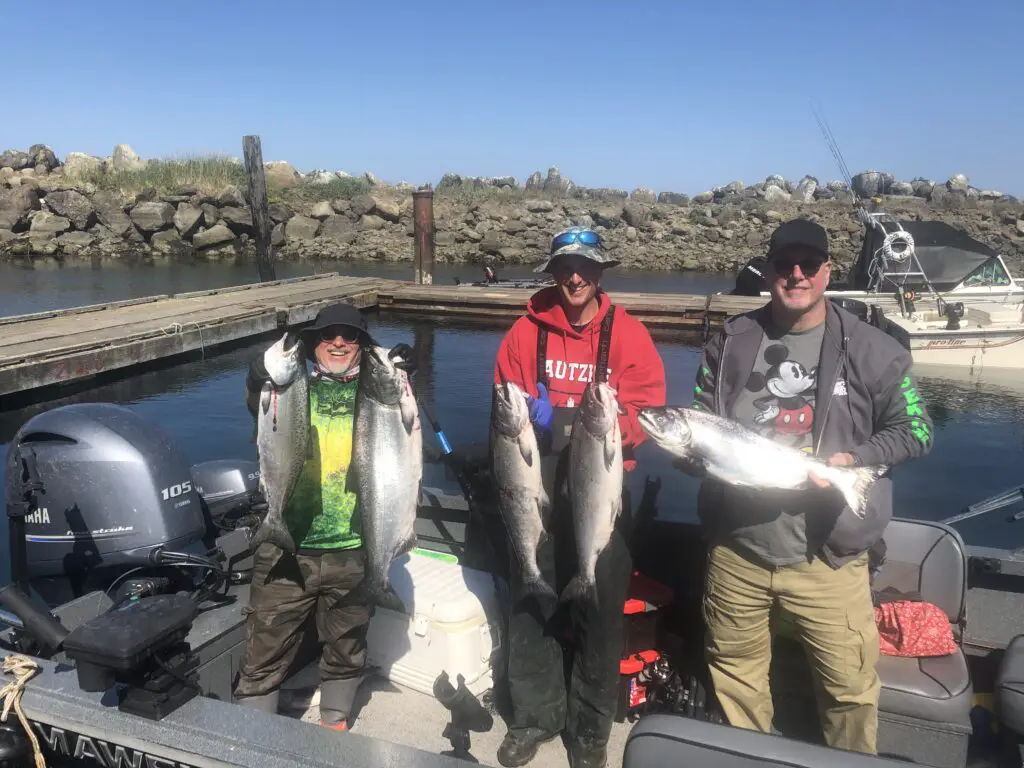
979,448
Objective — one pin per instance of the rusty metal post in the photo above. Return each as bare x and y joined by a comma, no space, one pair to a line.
423,230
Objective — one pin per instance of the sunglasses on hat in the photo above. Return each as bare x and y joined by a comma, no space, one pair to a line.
586,237
347,332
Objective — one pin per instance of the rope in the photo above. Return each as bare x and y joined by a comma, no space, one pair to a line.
23,668
176,328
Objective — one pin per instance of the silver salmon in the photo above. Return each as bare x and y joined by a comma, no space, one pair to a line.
387,470
595,484
739,456
515,467
282,435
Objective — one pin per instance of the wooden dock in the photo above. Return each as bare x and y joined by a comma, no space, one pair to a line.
656,310
72,346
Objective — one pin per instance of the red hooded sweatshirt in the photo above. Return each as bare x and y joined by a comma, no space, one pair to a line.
637,373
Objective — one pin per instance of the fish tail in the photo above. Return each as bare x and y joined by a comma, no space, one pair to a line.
855,485
385,597
274,533
538,587
581,589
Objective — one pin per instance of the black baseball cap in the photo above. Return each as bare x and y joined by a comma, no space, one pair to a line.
798,232
340,314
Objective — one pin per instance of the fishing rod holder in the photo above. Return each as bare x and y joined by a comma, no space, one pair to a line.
467,714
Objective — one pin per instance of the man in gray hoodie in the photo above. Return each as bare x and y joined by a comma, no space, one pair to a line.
807,373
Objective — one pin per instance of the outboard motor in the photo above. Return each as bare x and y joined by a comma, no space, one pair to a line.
750,281
115,489
228,488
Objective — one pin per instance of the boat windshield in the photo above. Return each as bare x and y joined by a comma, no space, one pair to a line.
990,274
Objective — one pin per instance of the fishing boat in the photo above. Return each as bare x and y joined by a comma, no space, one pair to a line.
971,333
129,581
929,258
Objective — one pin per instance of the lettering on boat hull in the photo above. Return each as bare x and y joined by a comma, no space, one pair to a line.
64,747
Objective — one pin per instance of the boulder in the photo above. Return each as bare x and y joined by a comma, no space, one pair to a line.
231,196
338,228
111,213
80,164
15,206
370,221
187,219
216,235
958,182
152,217
123,158
44,223
167,242
322,210
239,220
673,198
774,194
643,195
42,158
280,174
15,159
300,228
872,183
74,206
75,242
279,212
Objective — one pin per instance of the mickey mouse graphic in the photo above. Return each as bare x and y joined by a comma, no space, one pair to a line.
788,411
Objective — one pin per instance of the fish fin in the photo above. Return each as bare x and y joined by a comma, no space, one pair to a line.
407,546
544,506
525,449
580,589
855,483
265,396
609,449
410,413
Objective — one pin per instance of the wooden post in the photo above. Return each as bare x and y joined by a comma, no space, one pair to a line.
258,204
423,229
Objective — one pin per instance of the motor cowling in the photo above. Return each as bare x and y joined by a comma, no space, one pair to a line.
114,488
228,488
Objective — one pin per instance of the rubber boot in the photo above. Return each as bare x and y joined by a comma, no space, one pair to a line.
266,702
336,700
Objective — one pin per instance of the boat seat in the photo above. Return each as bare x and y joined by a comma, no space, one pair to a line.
926,698
1010,687
661,740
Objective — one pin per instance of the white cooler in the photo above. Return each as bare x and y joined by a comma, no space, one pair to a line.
452,627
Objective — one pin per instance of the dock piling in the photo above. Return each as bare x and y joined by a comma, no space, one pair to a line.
258,205
423,229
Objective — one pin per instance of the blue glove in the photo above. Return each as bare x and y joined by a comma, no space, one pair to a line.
541,412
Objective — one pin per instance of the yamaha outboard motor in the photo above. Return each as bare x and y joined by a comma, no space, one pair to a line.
116,494
750,281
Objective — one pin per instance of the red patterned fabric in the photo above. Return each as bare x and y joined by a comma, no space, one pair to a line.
913,628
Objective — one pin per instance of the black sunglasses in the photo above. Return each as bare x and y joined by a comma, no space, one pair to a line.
809,266
347,332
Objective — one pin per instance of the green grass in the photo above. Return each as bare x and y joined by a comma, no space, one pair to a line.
207,175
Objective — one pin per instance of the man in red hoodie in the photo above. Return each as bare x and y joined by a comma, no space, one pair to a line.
552,353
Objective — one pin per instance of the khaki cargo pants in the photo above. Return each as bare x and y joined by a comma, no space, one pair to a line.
834,619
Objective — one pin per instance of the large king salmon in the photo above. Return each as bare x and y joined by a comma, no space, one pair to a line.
386,470
595,483
515,467
282,435
739,456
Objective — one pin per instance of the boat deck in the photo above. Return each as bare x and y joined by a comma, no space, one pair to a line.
381,704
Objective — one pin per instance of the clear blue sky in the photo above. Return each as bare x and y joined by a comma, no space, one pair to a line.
670,95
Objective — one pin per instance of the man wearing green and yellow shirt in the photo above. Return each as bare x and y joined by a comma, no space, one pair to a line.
323,517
